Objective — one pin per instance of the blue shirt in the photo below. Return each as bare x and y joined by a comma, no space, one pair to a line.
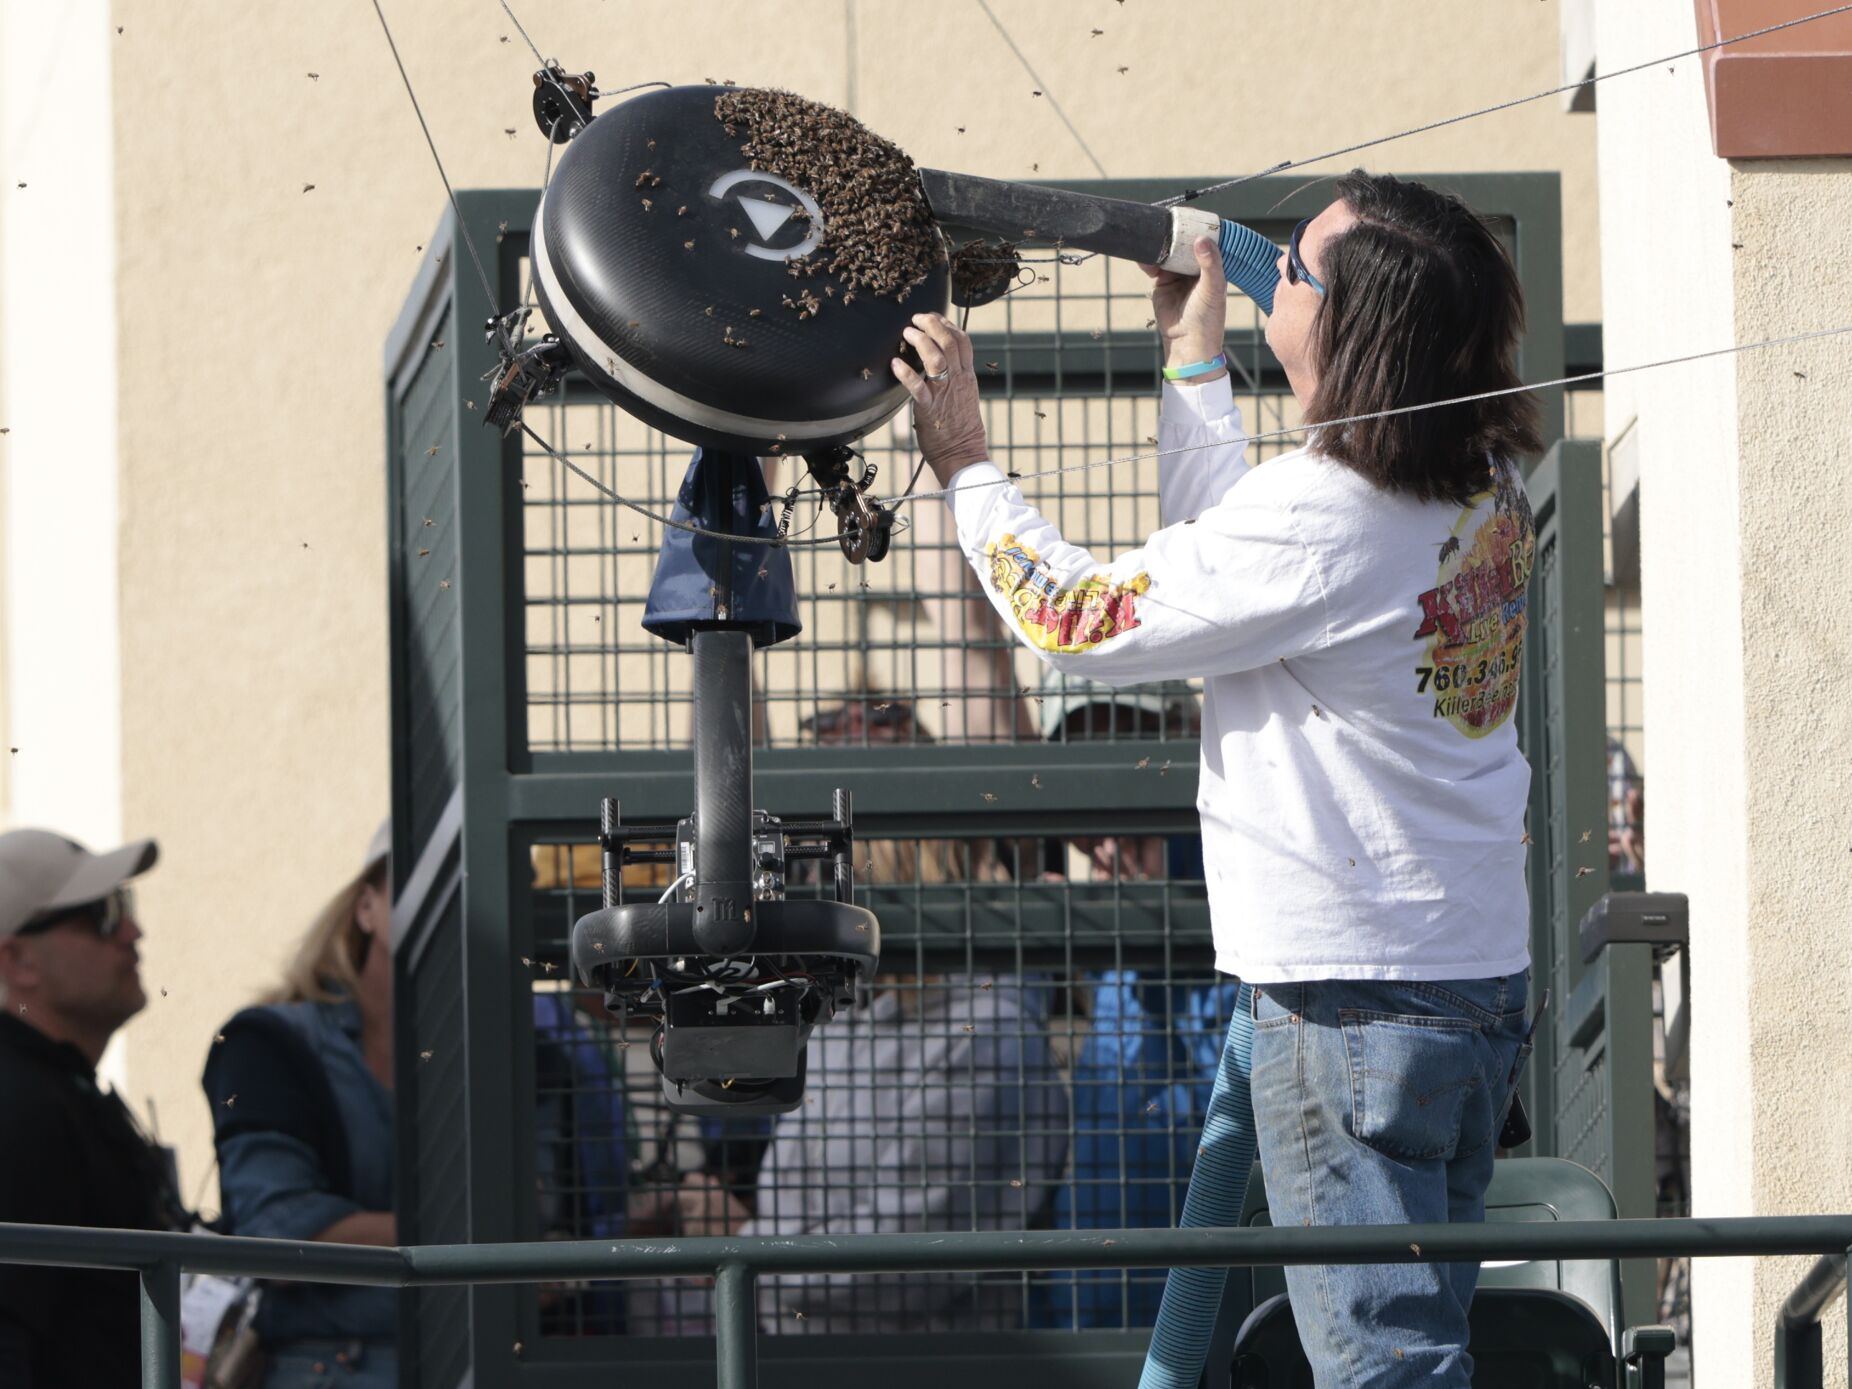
274,1184
1141,1088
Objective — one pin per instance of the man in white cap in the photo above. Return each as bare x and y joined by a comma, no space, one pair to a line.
70,975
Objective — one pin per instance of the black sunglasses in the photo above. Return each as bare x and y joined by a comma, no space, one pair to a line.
1295,263
104,916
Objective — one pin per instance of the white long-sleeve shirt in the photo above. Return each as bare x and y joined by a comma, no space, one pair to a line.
1362,792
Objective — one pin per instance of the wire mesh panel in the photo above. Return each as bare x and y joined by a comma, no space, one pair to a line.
1069,371
1037,1053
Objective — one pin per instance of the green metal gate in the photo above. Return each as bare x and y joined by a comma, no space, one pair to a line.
1590,1081
1008,821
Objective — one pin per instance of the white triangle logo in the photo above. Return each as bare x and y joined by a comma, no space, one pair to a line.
767,217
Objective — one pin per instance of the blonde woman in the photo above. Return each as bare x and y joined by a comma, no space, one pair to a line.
301,1094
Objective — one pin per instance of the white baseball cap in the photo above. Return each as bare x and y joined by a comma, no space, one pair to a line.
41,872
1171,703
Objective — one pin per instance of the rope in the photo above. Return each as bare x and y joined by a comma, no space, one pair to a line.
769,542
1400,410
512,19
1190,195
1043,87
462,226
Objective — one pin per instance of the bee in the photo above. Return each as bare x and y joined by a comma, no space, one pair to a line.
307,187
1143,762
989,796
1449,548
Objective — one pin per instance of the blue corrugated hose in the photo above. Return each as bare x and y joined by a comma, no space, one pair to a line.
1218,1185
1251,263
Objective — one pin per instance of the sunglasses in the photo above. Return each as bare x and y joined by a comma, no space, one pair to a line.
1296,273
833,723
104,916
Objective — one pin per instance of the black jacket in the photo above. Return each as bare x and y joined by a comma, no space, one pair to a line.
70,1155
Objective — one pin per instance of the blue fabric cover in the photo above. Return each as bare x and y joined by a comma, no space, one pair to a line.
682,596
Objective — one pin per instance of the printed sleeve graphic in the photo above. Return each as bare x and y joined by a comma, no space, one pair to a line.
1076,619
1473,618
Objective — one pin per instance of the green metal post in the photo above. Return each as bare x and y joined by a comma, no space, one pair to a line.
160,1326
736,1327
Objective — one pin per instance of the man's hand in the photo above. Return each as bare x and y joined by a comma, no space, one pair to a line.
707,1207
1191,310
945,410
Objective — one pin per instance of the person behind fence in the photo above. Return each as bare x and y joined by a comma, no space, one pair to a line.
1356,609
301,1095
934,1104
72,1154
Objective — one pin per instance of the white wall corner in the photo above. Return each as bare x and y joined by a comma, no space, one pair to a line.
62,703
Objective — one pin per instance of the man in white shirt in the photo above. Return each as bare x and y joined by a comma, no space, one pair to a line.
1356,611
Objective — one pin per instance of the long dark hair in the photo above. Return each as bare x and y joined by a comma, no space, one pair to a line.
1421,304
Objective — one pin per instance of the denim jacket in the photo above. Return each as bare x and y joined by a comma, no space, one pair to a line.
273,1181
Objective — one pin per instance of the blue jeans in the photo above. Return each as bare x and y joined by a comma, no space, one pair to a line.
1379,1104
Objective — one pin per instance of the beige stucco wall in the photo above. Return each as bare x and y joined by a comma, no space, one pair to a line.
1748,681
252,313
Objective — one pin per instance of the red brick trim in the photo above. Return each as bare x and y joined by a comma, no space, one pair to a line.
1784,95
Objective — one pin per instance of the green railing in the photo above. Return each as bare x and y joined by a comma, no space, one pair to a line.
735,1264
1800,1359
